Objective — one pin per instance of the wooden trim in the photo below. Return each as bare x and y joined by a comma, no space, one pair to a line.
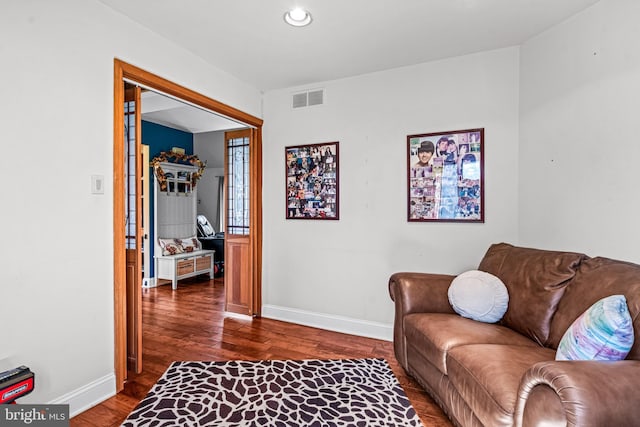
148,79
123,70
119,253
256,218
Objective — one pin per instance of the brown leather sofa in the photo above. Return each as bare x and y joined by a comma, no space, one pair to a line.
505,374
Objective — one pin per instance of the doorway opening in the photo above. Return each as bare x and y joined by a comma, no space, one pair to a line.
250,263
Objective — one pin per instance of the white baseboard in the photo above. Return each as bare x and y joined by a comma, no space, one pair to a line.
149,282
330,322
89,395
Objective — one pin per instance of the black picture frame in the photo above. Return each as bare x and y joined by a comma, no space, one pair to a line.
445,176
312,181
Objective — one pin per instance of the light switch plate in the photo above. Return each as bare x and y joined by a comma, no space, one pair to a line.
97,184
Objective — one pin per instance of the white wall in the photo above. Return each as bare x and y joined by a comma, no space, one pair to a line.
209,146
579,110
57,117
324,272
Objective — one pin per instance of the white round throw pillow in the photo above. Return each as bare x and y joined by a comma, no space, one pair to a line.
479,296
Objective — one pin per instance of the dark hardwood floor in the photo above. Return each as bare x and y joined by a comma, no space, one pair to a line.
189,324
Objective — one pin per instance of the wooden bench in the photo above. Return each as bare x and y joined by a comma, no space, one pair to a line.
181,266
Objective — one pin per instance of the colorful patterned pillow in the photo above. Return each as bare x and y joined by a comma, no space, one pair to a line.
479,296
603,332
171,246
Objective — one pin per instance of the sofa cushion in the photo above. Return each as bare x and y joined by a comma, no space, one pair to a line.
487,376
536,280
478,295
170,246
431,335
597,278
190,244
603,332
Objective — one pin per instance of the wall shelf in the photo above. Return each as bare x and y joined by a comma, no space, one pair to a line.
175,218
178,178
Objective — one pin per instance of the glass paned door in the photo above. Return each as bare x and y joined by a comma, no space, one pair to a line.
239,264
133,226
238,185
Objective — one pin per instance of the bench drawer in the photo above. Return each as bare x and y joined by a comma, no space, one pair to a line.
184,267
203,263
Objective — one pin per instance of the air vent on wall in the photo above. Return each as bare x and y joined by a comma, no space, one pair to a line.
299,100
308,98
316,97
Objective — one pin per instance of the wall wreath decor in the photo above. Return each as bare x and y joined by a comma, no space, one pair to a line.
178,158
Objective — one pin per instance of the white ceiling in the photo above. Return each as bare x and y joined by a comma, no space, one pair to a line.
161,109
250,40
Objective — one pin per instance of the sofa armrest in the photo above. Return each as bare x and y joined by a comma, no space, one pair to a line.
420,292
416,293
579,393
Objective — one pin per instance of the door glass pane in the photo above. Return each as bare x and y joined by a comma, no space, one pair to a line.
130,172
238,186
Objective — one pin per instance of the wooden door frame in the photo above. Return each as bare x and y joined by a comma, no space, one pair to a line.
134,283
123,70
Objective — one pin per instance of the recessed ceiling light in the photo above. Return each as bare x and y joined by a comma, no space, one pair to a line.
297,17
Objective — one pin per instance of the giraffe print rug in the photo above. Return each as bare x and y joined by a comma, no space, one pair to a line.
287,393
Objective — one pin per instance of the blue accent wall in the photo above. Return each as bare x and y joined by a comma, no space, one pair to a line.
161,138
